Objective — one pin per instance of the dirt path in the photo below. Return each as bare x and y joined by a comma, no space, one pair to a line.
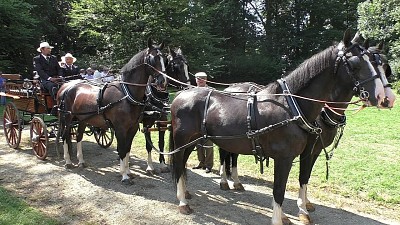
95,195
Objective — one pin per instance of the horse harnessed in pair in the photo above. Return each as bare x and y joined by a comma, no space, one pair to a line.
297,115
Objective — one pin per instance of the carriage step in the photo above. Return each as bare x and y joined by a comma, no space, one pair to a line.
162,123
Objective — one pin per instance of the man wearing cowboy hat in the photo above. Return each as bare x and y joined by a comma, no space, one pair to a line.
71,71
46,65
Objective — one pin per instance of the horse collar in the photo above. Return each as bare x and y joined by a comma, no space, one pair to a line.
296,111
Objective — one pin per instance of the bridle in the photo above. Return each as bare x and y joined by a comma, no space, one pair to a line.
173,65
358,88
150,61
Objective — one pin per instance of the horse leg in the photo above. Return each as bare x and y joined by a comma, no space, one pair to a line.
65,130
282,168
237,185
178,161
161,144
123,147
223,184
306,163
150,167
79,137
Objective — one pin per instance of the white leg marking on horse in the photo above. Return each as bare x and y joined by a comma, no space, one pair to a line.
79,153
180,191
222,173
150,166
276,214
124,167
235,176
67,157
302,200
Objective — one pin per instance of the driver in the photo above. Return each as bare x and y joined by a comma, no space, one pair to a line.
46,65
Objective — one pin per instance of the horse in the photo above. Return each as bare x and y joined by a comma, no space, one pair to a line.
177,69
118,105
332,121
228,159
261,123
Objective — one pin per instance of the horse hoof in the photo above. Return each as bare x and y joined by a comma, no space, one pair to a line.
286,221
131,175
305,219
69,166
165,170
127,182
151,172
310,207
185,209
82,165
238,187
224,186
188,195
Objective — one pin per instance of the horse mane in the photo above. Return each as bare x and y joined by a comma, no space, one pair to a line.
300,77
135,61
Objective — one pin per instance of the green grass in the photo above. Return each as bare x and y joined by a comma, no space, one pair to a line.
15,211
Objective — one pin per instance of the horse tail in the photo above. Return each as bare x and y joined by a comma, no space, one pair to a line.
176,161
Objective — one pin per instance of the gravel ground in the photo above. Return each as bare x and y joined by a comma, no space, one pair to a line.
95,195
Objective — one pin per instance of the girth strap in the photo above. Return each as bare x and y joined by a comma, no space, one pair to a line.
251,127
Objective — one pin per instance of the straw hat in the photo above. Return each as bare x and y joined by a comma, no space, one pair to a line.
68,55
44,45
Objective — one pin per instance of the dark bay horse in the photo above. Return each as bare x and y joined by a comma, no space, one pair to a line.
118,105
332,121
177,69
278,127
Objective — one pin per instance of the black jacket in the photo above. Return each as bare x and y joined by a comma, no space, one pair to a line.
71,73
45,68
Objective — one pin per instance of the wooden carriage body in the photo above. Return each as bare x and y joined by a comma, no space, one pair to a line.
27,95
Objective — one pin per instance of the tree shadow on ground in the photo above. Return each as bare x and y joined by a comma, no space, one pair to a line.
211,205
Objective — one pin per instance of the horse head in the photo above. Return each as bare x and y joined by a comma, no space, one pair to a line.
381,65
354,60
177,66
155,61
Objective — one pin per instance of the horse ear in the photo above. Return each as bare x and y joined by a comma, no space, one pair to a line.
172,53
149,43
356,38
161,46
347,38
366,43
179,51
380,45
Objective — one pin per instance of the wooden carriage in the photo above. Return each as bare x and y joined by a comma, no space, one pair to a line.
30,104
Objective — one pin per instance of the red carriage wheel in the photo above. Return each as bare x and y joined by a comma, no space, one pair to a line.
12,125
104,138
39,137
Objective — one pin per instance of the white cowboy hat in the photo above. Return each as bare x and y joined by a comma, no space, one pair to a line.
44,45
201,74
68,55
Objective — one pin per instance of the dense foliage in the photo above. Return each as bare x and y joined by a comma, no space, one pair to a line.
232,40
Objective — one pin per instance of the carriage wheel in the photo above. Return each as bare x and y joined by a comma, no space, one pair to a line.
12,125
39,138
104,137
